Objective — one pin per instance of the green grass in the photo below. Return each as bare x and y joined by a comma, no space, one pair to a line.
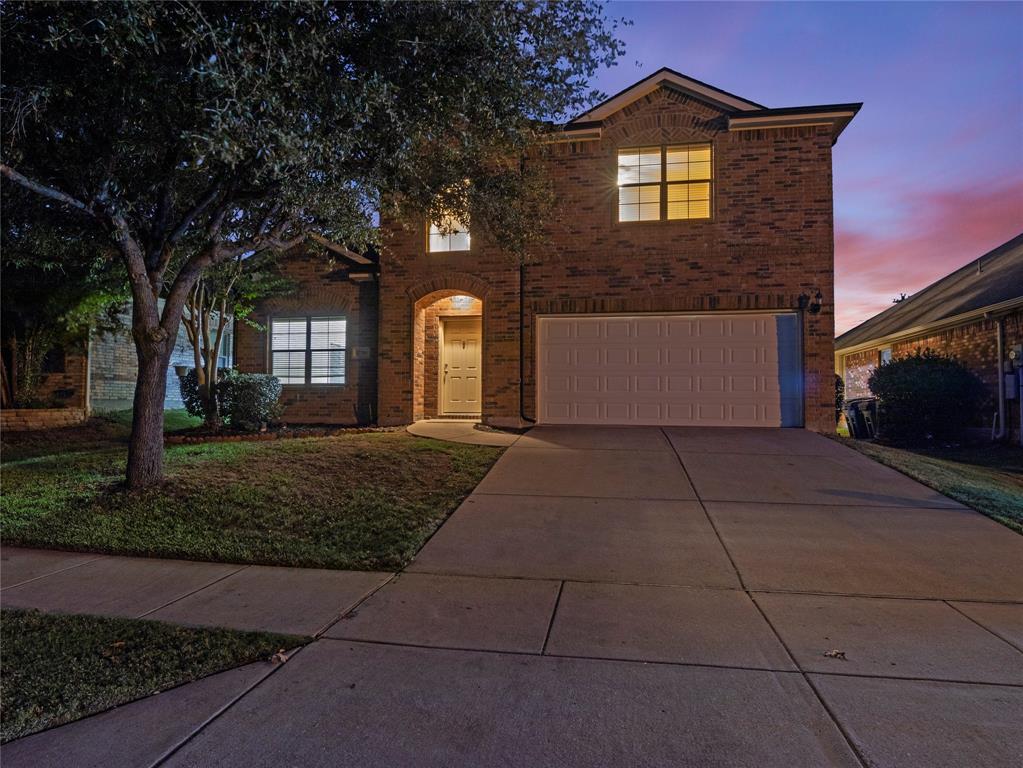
61,668
986,477
173,419
101,431
359,501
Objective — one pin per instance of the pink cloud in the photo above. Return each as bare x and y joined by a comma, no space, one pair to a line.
944,230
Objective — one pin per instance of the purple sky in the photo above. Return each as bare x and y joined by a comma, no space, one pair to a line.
930,173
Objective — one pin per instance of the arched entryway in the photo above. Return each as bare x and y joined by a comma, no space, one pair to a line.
447,355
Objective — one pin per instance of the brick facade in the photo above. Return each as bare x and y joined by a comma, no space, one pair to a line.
67,387
32,419
322,289
770,239
974,344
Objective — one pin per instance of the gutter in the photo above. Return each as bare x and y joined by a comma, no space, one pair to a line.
1003,429
522,346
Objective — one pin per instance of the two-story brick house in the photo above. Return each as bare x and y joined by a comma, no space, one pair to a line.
688,280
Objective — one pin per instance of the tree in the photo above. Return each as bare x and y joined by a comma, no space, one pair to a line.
231,289
189,134
49,305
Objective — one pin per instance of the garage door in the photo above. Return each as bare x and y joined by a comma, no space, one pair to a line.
700,370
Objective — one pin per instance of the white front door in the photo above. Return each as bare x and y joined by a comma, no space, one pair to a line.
700,370
461,342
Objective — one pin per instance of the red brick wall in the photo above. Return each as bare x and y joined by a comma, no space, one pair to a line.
974,344
322,289
770,239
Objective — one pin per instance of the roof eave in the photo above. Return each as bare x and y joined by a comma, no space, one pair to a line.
838,116
1000,308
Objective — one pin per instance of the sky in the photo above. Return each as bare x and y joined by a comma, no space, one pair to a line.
929,175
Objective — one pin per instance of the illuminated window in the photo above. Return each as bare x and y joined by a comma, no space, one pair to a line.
657,183
308,350
448,235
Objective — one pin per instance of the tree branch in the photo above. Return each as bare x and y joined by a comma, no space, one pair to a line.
45,191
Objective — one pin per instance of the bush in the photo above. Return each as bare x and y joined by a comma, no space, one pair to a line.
249,400
839,397
925,397
189,384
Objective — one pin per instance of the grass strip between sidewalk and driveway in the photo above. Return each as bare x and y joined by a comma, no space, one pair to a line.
361,501
986,477
60,668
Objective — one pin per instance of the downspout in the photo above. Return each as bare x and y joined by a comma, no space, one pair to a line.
522,345
1000,355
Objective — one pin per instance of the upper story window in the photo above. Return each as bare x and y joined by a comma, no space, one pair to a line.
657,183
308,350
448,235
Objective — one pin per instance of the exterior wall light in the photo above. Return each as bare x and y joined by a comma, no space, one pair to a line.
811,304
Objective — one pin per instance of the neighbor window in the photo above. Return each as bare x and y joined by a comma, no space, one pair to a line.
448,235
656,183
886,355
308,350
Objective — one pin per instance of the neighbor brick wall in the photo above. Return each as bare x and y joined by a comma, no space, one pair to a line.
974,344
31,419
769,240
67,388
322,288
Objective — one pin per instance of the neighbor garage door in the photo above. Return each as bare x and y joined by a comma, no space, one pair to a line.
701,370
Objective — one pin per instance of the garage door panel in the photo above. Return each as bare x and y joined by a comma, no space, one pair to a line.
671,369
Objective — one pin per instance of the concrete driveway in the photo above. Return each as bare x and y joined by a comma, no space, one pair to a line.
642,597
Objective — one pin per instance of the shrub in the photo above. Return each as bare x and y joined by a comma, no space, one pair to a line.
925,397
839,397
189,384
249,400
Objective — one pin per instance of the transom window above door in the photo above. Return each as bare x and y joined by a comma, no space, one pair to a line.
308,350
664,183
449,234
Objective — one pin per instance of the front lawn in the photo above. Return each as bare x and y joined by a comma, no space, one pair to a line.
360,501
101,431
986,477
61,668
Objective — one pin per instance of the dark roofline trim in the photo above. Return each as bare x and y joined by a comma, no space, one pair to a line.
853,107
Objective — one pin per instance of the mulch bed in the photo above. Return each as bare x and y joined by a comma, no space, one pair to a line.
199,435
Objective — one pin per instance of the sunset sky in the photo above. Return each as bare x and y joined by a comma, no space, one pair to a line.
930,173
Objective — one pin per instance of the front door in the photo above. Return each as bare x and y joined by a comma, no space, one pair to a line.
461,340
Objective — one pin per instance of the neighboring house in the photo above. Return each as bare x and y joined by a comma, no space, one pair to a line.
974,314
688,281
102,377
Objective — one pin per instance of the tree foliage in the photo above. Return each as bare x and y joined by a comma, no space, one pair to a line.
187,134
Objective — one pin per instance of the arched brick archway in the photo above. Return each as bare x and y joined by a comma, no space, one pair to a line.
454,282
435,302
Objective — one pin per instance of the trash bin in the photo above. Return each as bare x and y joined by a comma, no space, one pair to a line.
861,416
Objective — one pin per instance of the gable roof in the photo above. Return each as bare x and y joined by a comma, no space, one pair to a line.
666,77
990,283
742,113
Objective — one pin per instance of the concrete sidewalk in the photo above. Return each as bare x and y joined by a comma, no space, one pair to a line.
637,597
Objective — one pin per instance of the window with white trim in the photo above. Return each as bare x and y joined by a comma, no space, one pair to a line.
666,182
449,234
308,350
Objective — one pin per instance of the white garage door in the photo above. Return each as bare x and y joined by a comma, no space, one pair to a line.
700,370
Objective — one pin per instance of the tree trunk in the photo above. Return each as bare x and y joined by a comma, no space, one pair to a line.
145,451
